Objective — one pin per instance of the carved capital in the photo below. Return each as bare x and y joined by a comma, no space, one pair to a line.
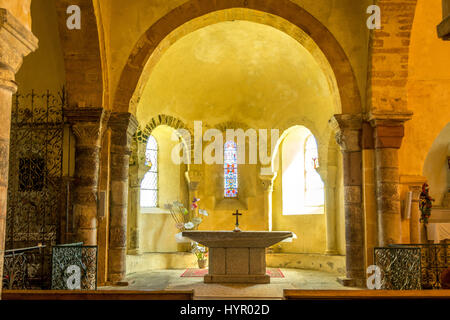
16,42
389,128
193,178
123,126
88,124
347,128
267,180
414,184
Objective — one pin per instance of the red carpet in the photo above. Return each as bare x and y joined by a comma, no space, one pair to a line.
272,272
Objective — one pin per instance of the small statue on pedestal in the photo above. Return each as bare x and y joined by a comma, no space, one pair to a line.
425,204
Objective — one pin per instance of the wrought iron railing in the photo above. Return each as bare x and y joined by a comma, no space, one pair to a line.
24,268
74,266
412,266
435,258
400,267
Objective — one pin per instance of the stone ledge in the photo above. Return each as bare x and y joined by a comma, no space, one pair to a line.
308,261
181,260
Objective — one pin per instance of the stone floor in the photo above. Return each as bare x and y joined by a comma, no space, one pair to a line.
171,280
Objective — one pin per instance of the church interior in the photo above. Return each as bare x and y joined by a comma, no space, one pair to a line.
337,177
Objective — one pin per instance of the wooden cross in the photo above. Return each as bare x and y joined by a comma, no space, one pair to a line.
237,214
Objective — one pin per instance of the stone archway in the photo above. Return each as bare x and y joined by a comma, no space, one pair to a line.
283,15
138,170
149,46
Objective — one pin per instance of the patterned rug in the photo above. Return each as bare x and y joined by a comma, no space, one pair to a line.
272,272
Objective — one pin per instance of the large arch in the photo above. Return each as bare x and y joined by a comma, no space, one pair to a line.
267,12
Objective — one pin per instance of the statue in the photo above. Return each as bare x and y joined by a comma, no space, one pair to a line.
425,204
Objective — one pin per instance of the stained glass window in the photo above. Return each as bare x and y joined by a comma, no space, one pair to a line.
230,170
314,193
149,185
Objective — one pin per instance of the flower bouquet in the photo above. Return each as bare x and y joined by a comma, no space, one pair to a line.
183,220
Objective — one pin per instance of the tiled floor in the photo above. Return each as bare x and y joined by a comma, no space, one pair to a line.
171,280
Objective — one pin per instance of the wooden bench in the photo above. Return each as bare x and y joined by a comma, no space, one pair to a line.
95,295
293,294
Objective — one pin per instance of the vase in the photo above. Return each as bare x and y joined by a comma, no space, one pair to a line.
202,263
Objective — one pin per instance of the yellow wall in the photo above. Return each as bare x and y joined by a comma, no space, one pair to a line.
428,94
158,228
436,168
20,9
43,69
309,228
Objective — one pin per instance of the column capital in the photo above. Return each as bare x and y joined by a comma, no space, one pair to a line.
193,178
267,180
123,126
16,42
347,128
389,127
414,183
88,124
123,121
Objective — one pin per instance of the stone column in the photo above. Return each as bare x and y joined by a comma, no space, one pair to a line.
267,184
348,136
388,135
137,171
414,185
123,126
16,41
88,125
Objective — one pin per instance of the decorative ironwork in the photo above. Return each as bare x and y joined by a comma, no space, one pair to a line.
35,176
68,260
400,267
21,269
435,258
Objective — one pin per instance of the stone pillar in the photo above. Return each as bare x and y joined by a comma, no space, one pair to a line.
267,184
414,185
16,41
348,136
443,28
388,135
88,124
123,126
137,171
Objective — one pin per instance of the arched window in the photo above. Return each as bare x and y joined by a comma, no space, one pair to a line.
314,191
230,170
149,185
302,186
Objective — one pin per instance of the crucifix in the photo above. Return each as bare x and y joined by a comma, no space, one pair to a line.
237,214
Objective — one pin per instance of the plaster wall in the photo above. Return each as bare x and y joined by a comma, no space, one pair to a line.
158,228
309,228
428,97
43,69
